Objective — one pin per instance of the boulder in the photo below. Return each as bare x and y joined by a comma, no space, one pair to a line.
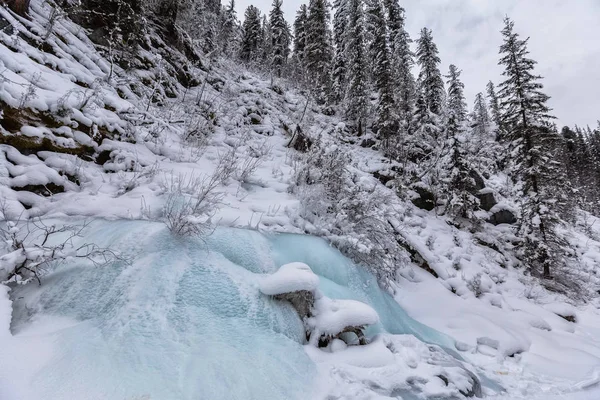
503,217
487,200
426,199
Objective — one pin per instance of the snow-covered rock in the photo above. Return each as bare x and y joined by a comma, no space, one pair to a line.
290,278
332,316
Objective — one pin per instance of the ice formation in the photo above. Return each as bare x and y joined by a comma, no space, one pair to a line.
185,321
325,318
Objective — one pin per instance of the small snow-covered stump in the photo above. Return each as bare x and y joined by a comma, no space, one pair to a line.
325,319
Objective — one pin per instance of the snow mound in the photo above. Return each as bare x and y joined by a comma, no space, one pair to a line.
333,316
293,277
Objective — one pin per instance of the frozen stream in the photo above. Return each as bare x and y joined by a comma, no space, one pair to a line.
185,319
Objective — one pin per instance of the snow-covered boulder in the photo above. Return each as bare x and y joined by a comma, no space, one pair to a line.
294,283
293,277
325,319
332,318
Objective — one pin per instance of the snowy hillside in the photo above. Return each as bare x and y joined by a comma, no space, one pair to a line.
192,176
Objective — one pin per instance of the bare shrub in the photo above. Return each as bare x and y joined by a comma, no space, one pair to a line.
31,246
193,200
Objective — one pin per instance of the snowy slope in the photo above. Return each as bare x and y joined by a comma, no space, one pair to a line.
96,145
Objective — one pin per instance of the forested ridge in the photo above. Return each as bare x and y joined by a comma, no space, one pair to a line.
354,61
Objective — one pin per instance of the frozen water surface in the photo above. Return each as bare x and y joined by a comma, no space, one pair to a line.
185,319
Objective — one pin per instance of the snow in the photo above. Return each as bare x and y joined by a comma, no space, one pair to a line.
332,316
5,313
289,278
186,320
183,323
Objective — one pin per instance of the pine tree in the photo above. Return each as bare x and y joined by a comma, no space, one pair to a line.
281,38
318,52
427,121
340,37
402,59
356,99
481,118
230,32
534,146
462,201
457,106
430,77
266,43
387,121
494,105
300,33
252,36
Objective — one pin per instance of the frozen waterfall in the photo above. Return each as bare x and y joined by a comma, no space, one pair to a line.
184,319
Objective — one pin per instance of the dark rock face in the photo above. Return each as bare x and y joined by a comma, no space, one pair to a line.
382,177
426,200
300,141
503,217
478,180
368,143
302,302
486,201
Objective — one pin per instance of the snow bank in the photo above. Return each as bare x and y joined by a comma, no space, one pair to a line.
293,277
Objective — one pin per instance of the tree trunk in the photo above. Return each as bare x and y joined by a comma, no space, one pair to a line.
20,7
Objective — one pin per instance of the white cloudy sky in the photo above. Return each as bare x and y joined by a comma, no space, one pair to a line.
565,40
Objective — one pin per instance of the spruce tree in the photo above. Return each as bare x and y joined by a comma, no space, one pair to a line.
430,77
457,106
281,38
494,105
428,119
387,121
300,33
230,32
402,60
481,117
340,37
266,43
534,147
357,98
462,201
252,36
318,52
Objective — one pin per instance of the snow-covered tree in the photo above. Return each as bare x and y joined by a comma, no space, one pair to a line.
534,145
300,33
340,37
462,201
357,96
318,51
253,35
230,34
430,77
425,140
457,106
494,105
266,47
481,117
387,120
281,38
402,61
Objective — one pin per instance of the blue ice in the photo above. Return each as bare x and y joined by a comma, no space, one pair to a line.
185,320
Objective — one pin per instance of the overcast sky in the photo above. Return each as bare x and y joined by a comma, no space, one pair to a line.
565,40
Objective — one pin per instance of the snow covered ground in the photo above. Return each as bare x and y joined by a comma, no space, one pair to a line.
504,325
